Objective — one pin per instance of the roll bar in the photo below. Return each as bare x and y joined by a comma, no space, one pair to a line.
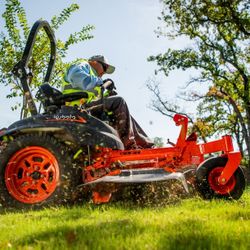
19,69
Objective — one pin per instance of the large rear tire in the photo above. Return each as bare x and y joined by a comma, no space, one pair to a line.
36,171
207,180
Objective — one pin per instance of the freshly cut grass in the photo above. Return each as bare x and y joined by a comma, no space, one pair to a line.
187,224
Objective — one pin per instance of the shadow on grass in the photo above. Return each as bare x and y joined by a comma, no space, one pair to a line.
188,233
239,215
192,234
108,235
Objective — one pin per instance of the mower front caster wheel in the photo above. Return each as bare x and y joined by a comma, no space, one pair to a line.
207,180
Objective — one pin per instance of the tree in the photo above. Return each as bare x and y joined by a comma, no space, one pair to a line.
169,109
12,43
158,142
220,32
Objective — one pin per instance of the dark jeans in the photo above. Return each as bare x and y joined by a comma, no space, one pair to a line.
130,132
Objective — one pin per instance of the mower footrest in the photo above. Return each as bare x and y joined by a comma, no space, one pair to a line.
142,176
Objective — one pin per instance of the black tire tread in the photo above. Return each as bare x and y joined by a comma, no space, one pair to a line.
202,184
69,172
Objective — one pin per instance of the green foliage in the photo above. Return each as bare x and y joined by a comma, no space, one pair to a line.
188,224
13,40
56,22
158,142
220,34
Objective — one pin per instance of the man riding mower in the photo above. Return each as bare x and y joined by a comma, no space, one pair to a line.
46,157
86,75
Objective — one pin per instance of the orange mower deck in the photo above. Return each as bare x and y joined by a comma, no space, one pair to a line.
186,152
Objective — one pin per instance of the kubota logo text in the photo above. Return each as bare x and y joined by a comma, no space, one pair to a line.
64,117
67,118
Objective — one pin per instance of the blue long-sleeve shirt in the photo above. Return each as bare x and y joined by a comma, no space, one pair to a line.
80,76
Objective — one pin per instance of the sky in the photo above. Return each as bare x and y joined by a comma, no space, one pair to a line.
125,34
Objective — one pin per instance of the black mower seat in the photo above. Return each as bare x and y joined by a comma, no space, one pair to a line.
50,96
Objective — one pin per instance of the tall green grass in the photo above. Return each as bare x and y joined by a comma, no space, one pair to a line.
186,224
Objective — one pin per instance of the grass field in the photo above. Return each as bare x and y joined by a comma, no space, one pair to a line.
186,224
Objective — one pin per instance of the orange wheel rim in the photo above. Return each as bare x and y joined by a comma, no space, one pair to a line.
32,174
213,178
